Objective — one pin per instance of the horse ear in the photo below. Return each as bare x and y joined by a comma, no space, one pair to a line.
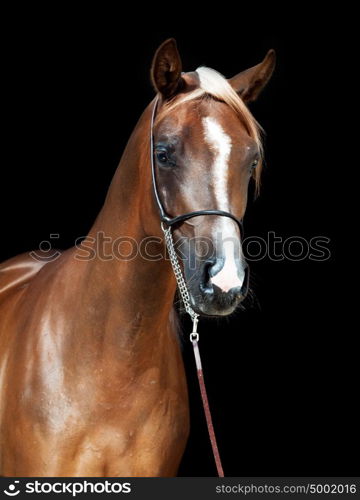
249,83
166,68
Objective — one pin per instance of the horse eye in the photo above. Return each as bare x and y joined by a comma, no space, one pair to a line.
254,163
161,156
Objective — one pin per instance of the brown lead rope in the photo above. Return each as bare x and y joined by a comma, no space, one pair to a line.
194,337
207,409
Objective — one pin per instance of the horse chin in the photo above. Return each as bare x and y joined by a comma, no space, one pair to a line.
214,305
213,312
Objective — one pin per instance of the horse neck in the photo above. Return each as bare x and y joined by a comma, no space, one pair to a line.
135,293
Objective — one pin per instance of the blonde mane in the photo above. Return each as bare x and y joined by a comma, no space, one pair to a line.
215,85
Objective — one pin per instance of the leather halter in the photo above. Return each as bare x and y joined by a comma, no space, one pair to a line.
164,217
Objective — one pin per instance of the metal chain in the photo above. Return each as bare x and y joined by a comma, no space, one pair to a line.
194,336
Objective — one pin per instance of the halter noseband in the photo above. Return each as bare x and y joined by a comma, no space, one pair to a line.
166,219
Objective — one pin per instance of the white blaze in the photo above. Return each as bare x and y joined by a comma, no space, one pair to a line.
220,143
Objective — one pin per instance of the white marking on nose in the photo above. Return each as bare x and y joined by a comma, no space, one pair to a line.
220,143
229,276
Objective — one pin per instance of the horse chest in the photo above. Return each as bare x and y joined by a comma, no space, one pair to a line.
149,438
148,428
140,435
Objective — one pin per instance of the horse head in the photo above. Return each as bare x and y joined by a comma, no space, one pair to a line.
206,148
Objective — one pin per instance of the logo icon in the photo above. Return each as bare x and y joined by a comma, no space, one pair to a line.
13,491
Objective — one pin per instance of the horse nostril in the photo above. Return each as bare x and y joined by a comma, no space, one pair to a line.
212,286
240,292
236,292
245,285
205,284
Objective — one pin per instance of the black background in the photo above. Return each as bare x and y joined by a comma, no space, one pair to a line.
280,376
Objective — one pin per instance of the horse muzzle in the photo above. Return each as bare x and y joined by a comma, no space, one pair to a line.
216,288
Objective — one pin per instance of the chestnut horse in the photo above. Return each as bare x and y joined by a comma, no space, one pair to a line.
92,381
